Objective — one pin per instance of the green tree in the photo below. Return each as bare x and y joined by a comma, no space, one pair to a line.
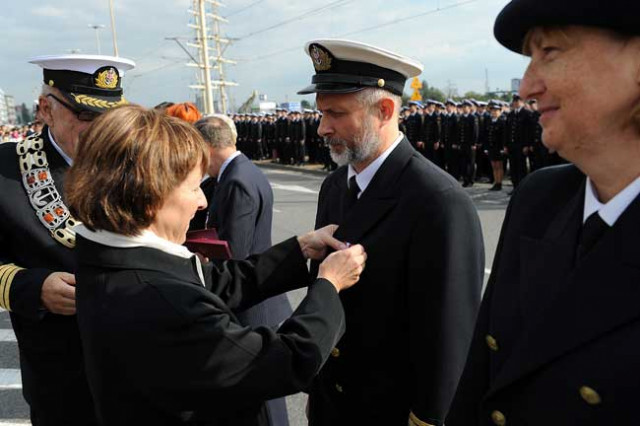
26,115
477,96
430,92
306,104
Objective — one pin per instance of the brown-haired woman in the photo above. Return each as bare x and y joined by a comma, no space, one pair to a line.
161,343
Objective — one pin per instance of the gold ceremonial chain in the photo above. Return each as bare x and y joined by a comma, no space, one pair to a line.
42,193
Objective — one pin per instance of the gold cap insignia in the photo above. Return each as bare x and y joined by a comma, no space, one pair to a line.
321,58
51,83
107,79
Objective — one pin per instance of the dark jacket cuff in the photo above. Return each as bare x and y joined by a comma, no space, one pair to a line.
24,292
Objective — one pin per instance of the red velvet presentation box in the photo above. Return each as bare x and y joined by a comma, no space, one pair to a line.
207,243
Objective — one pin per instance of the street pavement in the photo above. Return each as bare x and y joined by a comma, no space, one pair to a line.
296,196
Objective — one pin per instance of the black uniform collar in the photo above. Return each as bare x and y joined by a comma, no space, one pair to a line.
53,156
141,258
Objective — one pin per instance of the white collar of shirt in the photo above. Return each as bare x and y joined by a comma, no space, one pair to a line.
363,179
146,239
226,163
611,211
66,158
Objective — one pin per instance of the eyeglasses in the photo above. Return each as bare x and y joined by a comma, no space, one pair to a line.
81,114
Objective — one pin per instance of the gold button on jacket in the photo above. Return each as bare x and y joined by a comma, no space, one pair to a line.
498,418
335,352
339,388
492,343
590,395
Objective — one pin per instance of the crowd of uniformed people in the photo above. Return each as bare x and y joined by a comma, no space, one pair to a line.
290,137
472,140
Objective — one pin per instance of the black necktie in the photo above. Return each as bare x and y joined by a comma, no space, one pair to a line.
591,232
352,195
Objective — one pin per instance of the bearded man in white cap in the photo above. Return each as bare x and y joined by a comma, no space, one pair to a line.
37,285
410,323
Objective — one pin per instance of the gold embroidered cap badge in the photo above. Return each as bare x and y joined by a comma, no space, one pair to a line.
107,79
321,59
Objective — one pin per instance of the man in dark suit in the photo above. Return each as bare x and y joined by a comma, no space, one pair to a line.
430,131
468,131
558,336
241,210
538,153
450,139
414,124
297,138
519,123
483,162
37,262
410,324
282,135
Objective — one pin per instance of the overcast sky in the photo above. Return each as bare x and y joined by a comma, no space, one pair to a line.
452,38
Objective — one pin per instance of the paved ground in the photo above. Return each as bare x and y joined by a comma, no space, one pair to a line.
296,194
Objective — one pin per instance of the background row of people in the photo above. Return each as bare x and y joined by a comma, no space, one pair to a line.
475,140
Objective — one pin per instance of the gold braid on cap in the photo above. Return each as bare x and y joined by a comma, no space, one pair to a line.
43,195
98,103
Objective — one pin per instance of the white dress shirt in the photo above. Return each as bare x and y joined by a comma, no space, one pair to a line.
146,238
612,210
226,163
66,158
363,179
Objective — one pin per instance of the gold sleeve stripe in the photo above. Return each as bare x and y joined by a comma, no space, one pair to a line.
4,272
415,421
7,274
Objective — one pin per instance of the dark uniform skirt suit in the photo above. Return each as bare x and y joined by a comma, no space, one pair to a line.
161,348
496,139
161,342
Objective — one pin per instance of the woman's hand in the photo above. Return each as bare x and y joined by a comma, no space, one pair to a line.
314,244
343,268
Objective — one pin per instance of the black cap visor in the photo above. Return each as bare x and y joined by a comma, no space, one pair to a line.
330,88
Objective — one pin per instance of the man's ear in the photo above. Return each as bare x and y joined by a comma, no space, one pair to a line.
44,110
386,109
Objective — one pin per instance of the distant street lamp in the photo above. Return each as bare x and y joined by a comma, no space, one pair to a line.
97,28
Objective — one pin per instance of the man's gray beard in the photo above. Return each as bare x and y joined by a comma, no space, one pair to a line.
365,146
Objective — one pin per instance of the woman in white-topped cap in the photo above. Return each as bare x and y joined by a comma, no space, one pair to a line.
558,337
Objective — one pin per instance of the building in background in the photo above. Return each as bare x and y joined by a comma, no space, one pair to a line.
11,109
4,116
292,106
515,84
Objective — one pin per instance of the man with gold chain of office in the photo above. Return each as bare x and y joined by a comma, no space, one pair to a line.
37,285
